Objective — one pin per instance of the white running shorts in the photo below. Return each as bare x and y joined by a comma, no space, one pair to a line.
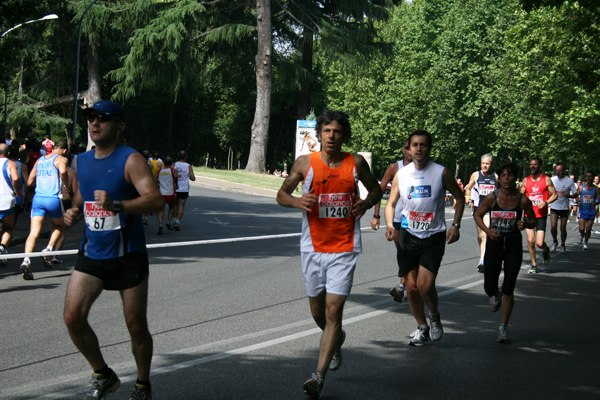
330,272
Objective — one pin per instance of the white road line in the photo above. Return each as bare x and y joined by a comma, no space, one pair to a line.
40,385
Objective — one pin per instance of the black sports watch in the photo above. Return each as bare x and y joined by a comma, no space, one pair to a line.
117,206
457,226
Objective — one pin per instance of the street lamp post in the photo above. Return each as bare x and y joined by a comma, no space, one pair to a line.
77,70
44,18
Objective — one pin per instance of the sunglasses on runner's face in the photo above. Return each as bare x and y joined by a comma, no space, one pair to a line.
101,118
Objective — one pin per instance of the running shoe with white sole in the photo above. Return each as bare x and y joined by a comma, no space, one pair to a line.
554,246
102,386
47,260
496,301
27,275
563,249
421,336
502,335
397,292
533,270
312,387
141,392
580,240
585,246
436,331
336,361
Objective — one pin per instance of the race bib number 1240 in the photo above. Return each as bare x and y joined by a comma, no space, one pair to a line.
335,205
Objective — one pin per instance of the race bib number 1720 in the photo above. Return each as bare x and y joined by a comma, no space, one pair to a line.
98,219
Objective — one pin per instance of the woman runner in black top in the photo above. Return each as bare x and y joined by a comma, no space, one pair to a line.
505,206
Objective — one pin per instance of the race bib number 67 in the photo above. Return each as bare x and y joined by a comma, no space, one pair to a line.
98,219
335,205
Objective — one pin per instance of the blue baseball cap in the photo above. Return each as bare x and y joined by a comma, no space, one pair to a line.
106,107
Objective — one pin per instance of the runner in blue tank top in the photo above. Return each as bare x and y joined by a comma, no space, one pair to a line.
48,174
588,195
115,189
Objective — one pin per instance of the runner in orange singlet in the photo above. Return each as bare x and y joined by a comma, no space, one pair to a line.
330,240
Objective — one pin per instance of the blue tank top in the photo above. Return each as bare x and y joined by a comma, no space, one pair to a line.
47,178
108,235
587,200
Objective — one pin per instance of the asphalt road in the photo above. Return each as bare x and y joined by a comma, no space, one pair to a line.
230,320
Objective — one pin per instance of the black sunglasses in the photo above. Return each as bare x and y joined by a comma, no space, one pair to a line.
101,118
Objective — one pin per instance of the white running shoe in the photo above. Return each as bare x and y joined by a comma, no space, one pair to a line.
420,338
585,246
554,246
436,331
502,335
580,240
563,249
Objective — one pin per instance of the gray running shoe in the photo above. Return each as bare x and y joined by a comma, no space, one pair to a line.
27,275
563,249
437,331
397,292
336,361
585,246
312,387
47,260
102,386
421,336
502,335
580,240
496,302
554,246
56,260
141,392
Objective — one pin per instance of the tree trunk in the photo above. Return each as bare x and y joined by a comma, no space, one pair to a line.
307,64
94,92
260,126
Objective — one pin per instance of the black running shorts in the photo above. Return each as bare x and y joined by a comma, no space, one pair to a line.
116,273
413,252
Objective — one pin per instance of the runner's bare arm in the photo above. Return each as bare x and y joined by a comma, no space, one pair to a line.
388,176
531,221
60,163
553,195
484,206
390,210
192,176
296,175
450,185
137,173
472,182
32,175
368,179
